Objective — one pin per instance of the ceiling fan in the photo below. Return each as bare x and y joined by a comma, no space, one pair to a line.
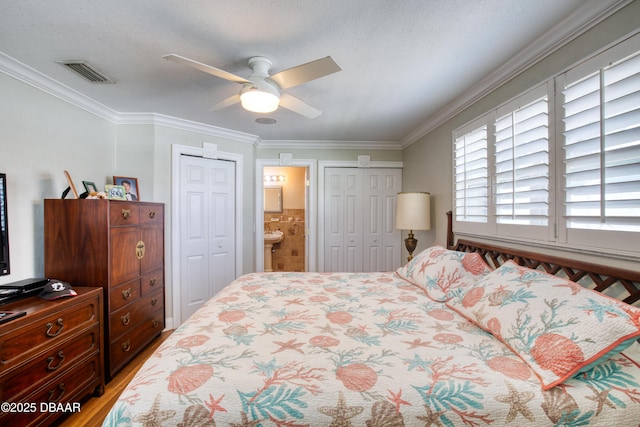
261,92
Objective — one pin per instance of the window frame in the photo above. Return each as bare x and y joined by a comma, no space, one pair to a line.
556,234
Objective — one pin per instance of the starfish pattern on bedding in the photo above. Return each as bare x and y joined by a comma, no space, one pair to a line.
518,402
155,416
416,343
289,345
245,421
432,418
602,398
328,329
341,413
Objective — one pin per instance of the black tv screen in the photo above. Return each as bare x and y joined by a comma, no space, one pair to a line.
4,227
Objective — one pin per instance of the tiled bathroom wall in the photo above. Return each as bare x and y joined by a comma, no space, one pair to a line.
289,254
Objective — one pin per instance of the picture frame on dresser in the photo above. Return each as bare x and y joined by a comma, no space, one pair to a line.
131,189
115,192
90,187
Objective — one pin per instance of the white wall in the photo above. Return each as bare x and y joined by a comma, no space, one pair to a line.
40,136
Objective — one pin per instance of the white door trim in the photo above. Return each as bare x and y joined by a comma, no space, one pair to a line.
322,165
176,152
311,211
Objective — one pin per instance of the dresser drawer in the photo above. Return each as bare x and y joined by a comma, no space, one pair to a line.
124,294
152,282
46,366
69,387
151,214
123,213
127,346
129,316
21,344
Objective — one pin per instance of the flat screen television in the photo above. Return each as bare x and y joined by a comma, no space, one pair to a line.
4,227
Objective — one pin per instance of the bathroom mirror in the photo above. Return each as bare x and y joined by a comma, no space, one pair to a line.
273,199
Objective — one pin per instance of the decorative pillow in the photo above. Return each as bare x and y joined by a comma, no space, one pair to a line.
556,326
443,273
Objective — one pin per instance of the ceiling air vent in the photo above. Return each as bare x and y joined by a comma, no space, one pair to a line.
87,71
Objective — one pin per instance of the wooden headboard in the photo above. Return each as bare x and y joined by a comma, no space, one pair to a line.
593,276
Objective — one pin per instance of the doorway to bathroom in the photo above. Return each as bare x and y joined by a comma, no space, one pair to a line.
285,219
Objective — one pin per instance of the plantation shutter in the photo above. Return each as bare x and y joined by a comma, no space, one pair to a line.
602,148
471,176
522,160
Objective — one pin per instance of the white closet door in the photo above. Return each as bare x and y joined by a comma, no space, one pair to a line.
343,226
207,246
381,240
359,219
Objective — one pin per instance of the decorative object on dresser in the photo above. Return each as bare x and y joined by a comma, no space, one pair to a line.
131,189
118,245
413,212
51,357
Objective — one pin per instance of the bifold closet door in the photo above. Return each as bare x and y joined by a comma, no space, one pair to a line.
359,213
380,239
207,230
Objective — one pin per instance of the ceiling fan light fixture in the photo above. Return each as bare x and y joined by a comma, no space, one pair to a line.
258,100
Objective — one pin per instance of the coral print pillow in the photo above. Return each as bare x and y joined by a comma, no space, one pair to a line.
443,273
556,326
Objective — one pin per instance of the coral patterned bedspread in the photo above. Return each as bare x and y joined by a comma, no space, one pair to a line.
369,349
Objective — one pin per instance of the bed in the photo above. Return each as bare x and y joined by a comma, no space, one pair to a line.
464,335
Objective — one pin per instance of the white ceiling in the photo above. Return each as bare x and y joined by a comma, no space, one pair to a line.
404,63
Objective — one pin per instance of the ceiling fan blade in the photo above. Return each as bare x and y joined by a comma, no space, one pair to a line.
298,106
205,68
225,103
306,72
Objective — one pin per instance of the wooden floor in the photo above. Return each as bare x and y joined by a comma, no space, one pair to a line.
94,410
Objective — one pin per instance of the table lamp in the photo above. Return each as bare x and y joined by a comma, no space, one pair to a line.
413,212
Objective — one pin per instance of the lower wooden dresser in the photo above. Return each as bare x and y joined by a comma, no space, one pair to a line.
50,358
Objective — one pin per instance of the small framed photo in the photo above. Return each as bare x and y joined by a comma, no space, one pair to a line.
115,192
131,190
90,187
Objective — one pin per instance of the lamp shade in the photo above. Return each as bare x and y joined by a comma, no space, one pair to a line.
413,211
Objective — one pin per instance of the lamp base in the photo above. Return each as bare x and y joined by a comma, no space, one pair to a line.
410,243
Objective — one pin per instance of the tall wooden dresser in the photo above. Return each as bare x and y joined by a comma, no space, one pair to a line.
51,357
118,245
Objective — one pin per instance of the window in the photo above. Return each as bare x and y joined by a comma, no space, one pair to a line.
562,176
602,148
471,176
522,160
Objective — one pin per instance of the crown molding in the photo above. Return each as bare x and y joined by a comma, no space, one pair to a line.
330,144
186,125
22,72
36,79
588,15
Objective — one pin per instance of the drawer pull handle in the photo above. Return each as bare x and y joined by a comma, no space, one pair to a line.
50,327
153,281
152,214
126,346
50,359
126,294
126,319
61,390
140,249
155,323
154,301
126,213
